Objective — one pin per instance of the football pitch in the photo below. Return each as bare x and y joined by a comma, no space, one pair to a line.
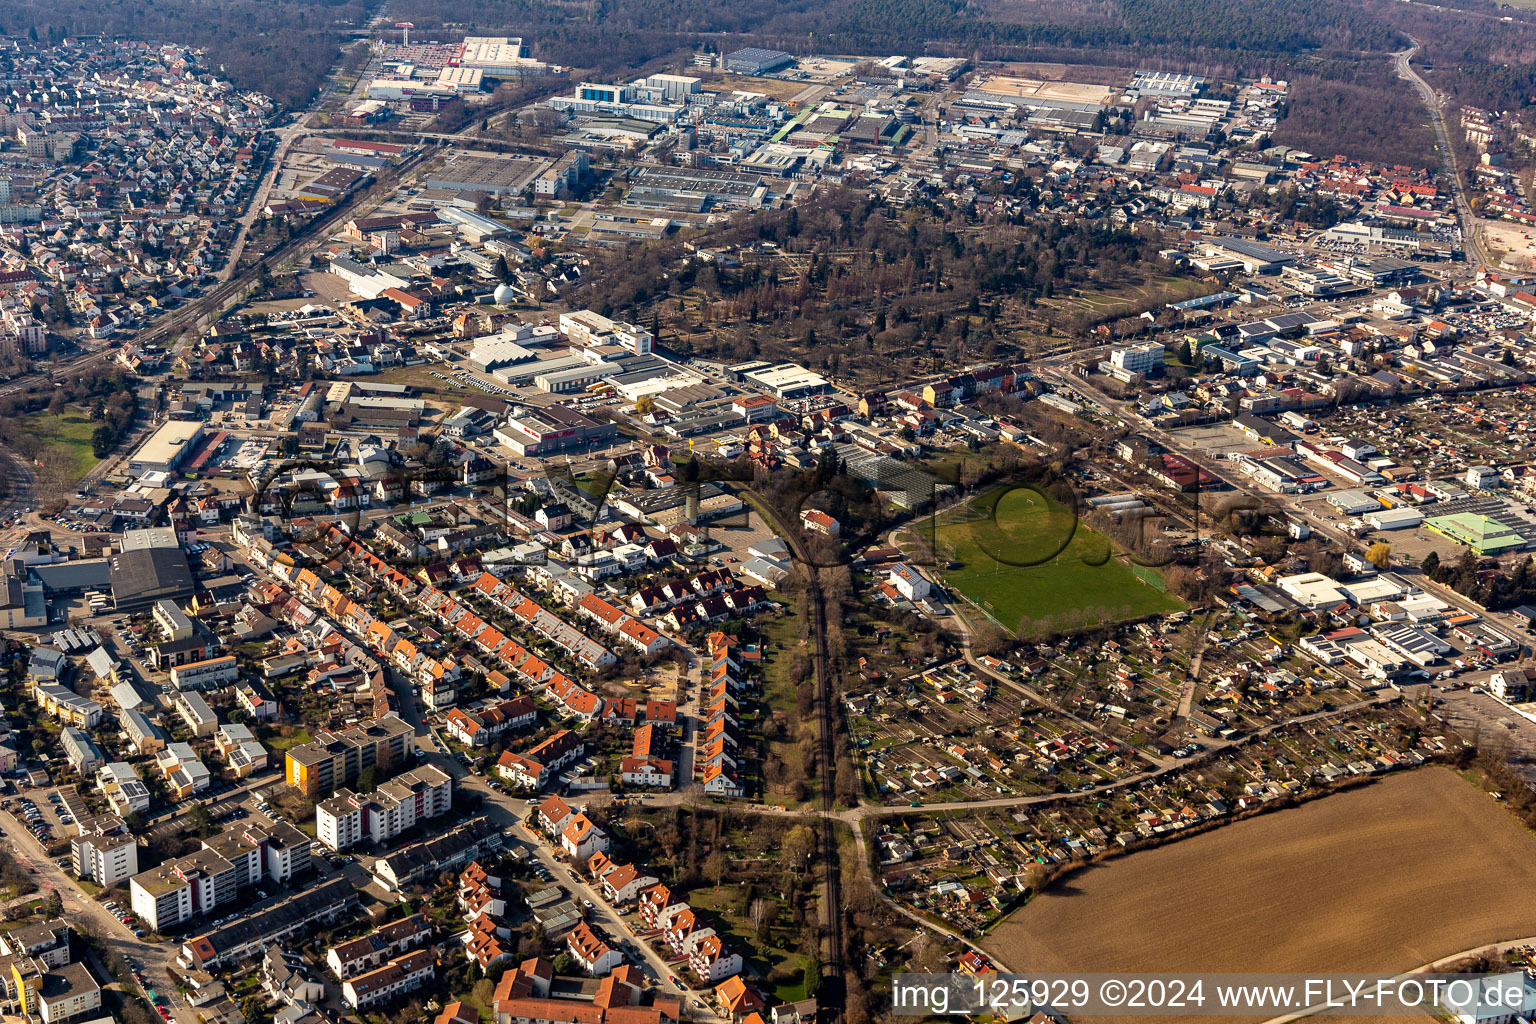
1021,555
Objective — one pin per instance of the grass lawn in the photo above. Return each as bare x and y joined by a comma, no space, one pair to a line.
277,742
1022,555
68,437
779,688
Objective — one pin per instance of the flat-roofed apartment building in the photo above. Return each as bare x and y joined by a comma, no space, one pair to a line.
105,851
189,886
335,759
399,804
181,889
206,674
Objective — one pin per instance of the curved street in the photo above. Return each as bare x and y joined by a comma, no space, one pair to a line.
1471,233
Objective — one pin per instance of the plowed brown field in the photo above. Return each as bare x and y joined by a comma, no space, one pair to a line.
1419,866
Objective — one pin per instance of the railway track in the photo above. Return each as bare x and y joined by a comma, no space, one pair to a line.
214,303
833,987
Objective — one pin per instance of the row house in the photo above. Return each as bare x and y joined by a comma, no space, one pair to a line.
573,698
621,884
688,935
480,893
635,633
543,623
488,942
482,726
716,608
533,769
589,950
371,951
401,975
488,939
648,772
720,780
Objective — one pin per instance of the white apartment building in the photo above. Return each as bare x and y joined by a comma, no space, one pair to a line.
105,859
205,675
348,818
1146,360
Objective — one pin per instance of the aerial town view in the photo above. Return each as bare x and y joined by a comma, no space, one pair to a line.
634,513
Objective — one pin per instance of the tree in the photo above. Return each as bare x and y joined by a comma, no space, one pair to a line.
761,913
1379,554
715,866
199,821
367,780
1430,565
53,905
799,844
1466,570
812,976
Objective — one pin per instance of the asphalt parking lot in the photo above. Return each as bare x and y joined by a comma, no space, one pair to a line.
44,812
1486,722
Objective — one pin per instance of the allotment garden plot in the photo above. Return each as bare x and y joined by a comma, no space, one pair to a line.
949,734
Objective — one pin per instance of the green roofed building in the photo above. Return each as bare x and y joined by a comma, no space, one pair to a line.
1483,535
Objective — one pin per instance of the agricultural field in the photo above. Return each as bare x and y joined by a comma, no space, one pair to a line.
1299,889
1025,559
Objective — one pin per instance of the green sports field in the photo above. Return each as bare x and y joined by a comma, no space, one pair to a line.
1022,556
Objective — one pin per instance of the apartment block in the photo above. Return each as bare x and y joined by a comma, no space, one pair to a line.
399,804
336,759
104,852
181,889
207,674
193,885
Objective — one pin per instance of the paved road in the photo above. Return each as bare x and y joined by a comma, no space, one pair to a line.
286,136
508,812
607,920
153,957
1471,233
